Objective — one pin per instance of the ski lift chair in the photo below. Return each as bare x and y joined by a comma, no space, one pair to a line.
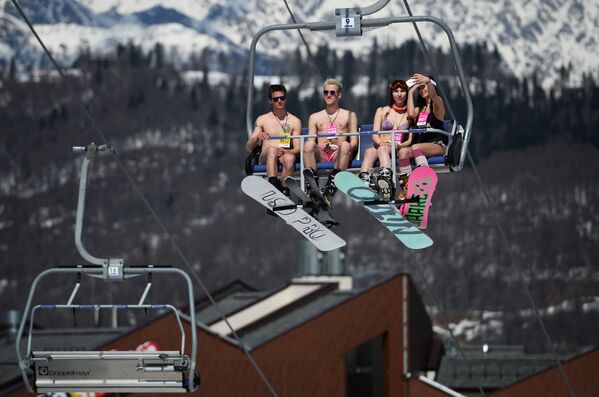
106,371
349,22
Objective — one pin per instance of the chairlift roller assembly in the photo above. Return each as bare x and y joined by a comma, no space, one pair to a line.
106,371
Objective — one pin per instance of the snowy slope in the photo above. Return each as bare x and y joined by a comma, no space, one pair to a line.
542,35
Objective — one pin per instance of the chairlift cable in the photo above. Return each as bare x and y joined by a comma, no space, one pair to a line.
147,204
445,321
515,264
305,42
428,57
497,224
418,269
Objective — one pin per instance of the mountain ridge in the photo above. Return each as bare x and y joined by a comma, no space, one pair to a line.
546,38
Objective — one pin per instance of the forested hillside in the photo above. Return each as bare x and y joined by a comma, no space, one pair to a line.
181,141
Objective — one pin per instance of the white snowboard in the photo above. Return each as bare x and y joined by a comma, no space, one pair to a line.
266,194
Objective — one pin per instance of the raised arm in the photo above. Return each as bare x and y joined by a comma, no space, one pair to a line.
438,104
412,109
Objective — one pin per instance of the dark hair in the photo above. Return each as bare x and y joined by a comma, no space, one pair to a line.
274,88
395,84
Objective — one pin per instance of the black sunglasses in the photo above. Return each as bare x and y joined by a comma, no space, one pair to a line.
331,92
279,98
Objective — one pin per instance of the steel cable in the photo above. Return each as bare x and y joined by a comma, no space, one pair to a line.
147,204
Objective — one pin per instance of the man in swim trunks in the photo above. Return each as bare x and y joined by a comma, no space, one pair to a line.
278,122
331,120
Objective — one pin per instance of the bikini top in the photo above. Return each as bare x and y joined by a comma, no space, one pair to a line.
386,125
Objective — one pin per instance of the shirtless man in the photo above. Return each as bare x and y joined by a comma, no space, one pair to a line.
331,120
277,122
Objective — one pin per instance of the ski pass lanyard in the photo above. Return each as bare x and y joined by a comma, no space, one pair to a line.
332,127
285,131
398,135
423,117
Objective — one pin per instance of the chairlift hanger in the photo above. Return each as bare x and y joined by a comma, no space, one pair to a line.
349,22
108,371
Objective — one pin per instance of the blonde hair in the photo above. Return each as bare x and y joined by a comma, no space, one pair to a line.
331,81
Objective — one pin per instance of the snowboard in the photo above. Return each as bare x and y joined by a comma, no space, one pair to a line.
385,213
270,197
322,214
421,183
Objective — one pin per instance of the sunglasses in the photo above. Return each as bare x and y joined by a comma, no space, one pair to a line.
331,92
279,98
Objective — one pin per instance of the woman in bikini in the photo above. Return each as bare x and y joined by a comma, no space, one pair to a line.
391,117
428,112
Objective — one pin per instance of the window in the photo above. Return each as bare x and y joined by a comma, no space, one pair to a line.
364,368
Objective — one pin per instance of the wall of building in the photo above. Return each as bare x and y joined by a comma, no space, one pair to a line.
309,360
582,372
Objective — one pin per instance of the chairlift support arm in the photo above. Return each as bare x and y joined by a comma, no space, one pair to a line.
91,151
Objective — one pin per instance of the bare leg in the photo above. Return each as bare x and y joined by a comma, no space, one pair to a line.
423,150
405,169
384,153
404,155
429,149
370,157
271,161
344,156
287,161
310,155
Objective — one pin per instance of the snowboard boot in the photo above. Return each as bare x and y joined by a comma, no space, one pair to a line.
273,180
369,180
385,183
308,187
329,190
276,182
402,192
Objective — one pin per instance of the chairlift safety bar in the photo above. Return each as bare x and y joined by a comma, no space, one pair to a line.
105,306
360,133
302,139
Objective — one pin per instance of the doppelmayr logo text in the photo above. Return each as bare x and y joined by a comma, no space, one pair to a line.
44,371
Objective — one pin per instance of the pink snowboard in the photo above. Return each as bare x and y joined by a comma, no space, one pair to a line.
422,182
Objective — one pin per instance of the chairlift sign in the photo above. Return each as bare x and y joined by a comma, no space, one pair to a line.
348,22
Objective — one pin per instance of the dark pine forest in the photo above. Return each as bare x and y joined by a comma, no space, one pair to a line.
181,140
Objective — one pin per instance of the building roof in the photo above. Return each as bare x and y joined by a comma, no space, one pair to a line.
500,366
290,319
258,317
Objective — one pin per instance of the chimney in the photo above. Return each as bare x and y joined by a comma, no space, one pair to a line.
314,262
309,263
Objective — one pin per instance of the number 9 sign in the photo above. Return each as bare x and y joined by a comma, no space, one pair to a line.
347,23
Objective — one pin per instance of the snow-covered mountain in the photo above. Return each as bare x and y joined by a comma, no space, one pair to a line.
543,35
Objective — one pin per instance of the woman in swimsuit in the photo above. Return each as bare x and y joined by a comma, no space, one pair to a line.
391,117
428,112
